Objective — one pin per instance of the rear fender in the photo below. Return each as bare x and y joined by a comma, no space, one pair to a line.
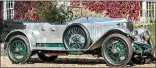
26,33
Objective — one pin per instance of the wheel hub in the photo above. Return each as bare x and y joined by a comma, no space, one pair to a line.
114,51
77,38
17,50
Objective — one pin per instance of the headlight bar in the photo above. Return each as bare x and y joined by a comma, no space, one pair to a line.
140,34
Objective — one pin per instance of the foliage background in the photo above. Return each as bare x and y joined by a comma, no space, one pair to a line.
21,7
52,14
117,9
113,9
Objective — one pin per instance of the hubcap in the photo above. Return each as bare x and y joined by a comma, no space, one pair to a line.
115,51
17,50
76,41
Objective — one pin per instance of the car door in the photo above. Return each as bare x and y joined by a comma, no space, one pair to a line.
54,32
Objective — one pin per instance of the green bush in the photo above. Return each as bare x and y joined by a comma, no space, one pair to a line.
52,14
151,28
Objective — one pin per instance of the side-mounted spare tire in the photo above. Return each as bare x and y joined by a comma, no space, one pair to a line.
76,36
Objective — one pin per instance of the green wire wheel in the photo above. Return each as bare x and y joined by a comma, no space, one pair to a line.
76,37
116,50
18,49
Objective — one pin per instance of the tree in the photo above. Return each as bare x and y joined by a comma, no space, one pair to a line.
52,14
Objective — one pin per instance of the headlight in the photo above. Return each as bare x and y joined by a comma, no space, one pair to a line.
146,35
123,25
134,33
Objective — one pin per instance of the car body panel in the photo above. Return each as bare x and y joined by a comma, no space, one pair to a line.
48,33
26,32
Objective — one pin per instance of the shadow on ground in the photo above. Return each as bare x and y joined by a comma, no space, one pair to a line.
69,61
79,61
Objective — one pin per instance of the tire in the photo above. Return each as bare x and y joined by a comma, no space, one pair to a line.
18,49
121,52
46,58
140,61
76,36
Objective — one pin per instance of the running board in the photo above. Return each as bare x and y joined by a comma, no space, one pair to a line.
57,49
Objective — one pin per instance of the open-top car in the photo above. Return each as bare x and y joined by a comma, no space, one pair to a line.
114,39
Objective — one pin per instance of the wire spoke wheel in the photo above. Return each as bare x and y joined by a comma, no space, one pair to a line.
75,38
18,49
116,50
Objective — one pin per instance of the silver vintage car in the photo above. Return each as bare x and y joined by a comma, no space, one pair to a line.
114,39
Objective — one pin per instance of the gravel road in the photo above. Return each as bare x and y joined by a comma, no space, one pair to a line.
64,61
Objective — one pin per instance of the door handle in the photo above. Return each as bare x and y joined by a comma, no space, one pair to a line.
53,29
43,29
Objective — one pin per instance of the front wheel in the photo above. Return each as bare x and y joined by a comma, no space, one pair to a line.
116,50
18,49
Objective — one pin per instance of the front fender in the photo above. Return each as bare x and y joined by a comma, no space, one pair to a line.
100,40
124,30
26,33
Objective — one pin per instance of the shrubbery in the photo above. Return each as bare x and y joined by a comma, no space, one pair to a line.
21,8
152,29
115,9
52,14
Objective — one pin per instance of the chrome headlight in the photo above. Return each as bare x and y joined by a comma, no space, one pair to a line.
134,33
123,25
146,35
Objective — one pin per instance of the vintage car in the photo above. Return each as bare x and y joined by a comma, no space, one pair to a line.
114,39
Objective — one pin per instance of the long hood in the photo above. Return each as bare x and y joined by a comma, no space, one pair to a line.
98,20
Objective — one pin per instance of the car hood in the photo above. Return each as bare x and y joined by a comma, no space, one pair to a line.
97,20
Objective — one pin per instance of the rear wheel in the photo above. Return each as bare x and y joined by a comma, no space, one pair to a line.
116,50
46,57
18,49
